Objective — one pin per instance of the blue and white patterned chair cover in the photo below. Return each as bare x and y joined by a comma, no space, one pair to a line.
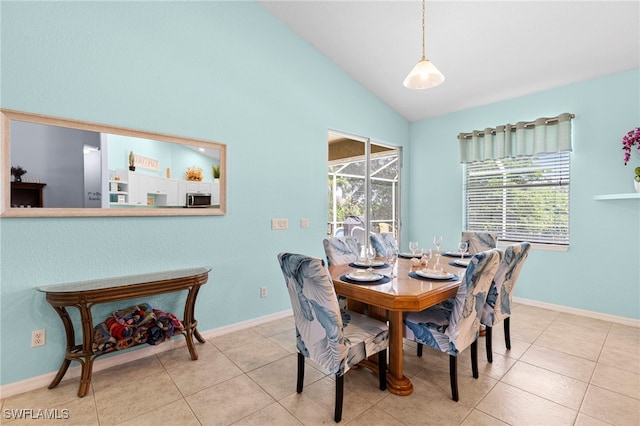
498,305
335,339
341,250
453,325
479,241
383,242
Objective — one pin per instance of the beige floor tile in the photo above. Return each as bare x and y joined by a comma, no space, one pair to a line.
622,352
617,380
571,344
235,339
286,340
611,407
205,372
518,346
229,401
276,327
273,414
559,362
547,384
431,404
518,407
375,417
66,391
496,369
260,352
175,413
316,403
134,396
478,418
584,420
181,356
139,368
279,378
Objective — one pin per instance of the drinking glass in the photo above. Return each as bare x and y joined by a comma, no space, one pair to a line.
371,254
392,257
413,246
463,247
437,241
426,256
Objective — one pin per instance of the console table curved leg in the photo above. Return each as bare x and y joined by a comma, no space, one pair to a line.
190,324
71,338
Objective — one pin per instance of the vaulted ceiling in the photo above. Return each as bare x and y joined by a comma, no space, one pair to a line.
488,50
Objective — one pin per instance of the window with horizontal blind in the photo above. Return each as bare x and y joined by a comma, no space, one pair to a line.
521,198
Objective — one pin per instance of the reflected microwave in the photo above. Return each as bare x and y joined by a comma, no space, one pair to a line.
198,199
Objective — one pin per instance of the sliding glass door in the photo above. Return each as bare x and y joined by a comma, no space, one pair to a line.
363,187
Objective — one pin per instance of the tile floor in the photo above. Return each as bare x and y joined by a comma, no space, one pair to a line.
562,369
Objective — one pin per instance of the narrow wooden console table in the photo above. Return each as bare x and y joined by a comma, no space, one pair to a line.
84,295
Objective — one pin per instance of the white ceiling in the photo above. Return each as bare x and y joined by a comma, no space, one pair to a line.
488,50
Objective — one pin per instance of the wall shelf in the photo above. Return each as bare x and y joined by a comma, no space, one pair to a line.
630,195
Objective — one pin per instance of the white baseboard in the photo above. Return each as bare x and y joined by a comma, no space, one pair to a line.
582,312
44,380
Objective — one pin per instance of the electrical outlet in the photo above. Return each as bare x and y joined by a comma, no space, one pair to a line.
304,223
37,338
279,224
263,292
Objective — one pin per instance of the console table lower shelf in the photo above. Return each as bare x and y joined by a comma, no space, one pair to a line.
85,294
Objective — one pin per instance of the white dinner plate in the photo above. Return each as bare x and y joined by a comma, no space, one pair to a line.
364,276
434,275
456,254
409,255
462,262
366,263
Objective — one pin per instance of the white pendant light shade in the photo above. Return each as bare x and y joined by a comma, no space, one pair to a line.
423,76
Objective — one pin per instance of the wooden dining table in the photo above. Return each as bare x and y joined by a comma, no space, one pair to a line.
389,301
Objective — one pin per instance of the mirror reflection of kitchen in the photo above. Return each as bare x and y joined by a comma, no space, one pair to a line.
84,169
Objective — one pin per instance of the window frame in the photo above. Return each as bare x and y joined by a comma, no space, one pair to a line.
561,162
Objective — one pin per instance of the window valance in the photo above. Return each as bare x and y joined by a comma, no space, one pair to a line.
544,135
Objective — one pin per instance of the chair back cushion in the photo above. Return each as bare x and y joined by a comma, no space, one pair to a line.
341,250
479,241
468,305
498,305
319,325
383,242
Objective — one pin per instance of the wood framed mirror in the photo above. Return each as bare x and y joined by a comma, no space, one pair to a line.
57,167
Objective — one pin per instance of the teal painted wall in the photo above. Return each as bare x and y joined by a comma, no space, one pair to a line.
231,73
222,71
601,270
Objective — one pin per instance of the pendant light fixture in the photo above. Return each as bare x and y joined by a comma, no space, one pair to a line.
424,75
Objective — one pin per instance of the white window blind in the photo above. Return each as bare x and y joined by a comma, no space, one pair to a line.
522,199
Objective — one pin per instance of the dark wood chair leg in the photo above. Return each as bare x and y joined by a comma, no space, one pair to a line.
474,358
507,333
453,374
487,338
382,369
419,349
300,373
339,394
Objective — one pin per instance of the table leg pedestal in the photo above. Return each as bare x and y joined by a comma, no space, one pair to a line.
397,383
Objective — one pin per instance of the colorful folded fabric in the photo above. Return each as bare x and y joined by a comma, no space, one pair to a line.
135,325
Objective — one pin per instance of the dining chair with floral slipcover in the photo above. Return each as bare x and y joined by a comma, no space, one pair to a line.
341,250
334,338
453,325
498,305
383,242
479,241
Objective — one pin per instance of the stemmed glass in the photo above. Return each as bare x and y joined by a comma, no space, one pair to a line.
371,254
392,257
413,246
463,247
437,241
426,256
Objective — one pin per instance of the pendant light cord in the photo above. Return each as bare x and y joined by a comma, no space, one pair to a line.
423,32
